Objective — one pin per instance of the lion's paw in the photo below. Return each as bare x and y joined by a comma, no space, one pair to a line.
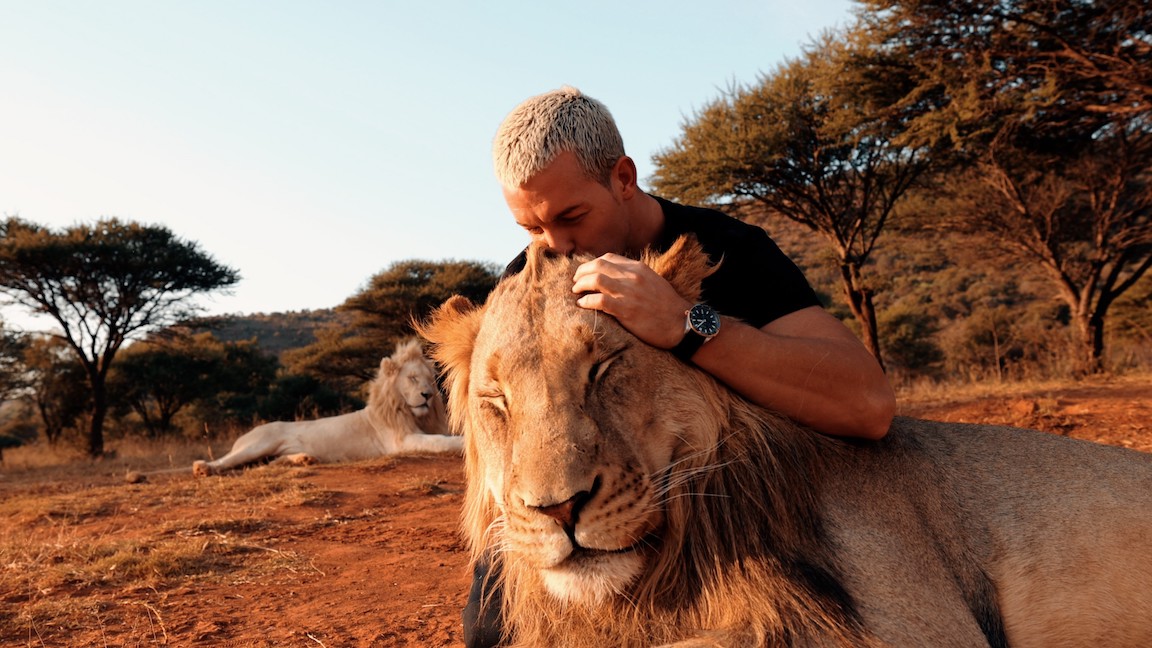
201,469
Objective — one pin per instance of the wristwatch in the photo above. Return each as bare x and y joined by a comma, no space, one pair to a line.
701,324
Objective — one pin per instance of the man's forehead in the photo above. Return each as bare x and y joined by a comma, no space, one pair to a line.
541,209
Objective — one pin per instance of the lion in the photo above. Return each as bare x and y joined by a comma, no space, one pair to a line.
629,499
405,414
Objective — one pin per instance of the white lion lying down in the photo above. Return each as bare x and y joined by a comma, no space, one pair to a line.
405,414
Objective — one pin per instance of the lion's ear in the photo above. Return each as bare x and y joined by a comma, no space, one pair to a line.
684,265
451,331
455,305
388,366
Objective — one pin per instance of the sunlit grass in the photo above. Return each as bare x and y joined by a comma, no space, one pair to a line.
101,555
44,462
945,392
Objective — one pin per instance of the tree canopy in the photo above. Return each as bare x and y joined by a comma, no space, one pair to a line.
805,144
381,314
1074,65
104,283
57,385
1048,109
12,369
159,377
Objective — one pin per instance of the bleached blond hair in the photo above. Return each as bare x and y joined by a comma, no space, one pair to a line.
546,125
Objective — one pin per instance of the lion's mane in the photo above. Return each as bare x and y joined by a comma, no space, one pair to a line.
386,406
741,521
629,499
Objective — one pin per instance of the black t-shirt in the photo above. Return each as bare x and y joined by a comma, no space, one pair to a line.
756,282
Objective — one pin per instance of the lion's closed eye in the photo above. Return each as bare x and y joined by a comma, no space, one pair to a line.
493,398
599,369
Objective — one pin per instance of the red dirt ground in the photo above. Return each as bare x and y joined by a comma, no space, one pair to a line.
385,565
389,566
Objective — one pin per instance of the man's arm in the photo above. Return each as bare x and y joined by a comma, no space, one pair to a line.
806,365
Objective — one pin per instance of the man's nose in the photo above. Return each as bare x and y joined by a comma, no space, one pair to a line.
559,243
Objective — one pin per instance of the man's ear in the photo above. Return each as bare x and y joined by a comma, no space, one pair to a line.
624,177
684,265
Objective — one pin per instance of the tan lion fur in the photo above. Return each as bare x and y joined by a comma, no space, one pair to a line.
634,501
405,413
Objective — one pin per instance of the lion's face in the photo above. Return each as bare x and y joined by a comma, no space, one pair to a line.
407,378
576,467
416,384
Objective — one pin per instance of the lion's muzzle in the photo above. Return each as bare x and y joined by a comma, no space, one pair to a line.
568,511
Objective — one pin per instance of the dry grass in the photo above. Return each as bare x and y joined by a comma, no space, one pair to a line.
947,392
40,462
75,556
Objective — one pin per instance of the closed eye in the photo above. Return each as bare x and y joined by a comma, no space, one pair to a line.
494,399
600,367
571,218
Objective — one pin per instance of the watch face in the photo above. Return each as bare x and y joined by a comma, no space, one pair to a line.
704,320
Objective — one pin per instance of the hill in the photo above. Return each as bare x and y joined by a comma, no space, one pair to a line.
275,333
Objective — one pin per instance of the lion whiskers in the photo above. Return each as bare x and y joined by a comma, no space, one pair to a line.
494,537
670,479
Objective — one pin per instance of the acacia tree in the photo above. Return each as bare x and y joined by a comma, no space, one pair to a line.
1097,55
1081,211
1048,109
104,283
375,318
804,144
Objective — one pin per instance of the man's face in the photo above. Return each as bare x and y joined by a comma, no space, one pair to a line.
568,212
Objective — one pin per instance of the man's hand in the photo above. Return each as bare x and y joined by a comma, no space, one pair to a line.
642,301
806,365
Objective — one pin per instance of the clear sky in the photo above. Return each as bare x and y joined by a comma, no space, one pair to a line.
311,144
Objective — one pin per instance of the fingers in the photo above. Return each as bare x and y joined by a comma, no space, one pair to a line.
639,298
612,283
592,301
601,273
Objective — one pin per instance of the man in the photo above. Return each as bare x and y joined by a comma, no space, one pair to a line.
759,329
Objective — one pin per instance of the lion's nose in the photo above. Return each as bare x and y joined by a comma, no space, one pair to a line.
568,511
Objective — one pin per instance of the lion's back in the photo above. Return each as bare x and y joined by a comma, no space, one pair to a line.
1037,470
1031,487
1054,532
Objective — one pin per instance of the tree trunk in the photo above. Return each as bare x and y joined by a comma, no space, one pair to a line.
52,429
1093,343
860,302
99,413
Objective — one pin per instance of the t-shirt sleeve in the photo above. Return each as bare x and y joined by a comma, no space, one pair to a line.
756,282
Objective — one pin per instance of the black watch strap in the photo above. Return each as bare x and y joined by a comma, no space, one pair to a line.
689,345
